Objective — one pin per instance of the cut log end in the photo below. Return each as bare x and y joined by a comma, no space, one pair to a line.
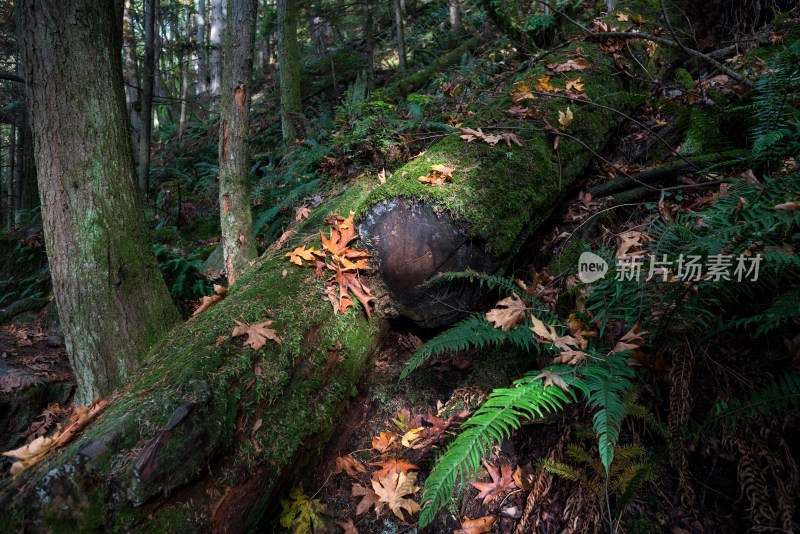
412,243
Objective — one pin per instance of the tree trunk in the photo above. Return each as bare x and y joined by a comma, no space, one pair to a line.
455,16
292,123
238,239
148,82
200,49
112,301
369,43
221,430
400,35
215,38
184,95
131,76
12,172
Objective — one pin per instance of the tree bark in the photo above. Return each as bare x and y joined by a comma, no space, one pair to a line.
112,301
184,95
215,38
200,49
213,433
131,76
369,43
9,178
148,84
455,16
292,123
400,36
238,239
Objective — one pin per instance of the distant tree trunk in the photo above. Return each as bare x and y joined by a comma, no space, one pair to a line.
238,240
217,27
401,38
112,300
292,122
370,43
200,49
9,182
131,76
148,82
184,94
455,16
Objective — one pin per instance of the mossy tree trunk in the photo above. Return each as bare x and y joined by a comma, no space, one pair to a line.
112,301
238,239
292,123
222,430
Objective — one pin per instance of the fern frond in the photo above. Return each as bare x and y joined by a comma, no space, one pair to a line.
558,469
473,332
490,281
777,398
503,411
607,386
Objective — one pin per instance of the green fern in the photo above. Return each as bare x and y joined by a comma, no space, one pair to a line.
503,411
775,398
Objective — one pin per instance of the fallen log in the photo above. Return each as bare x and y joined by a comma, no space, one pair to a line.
213,432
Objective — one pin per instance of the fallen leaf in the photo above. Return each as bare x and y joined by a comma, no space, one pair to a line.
392,466
552,379
301,213
501,482
522,91
438,175
574,85
788,206
257,334
510,138
382,176
633,339
410,437
349,465
393,489
348,528
571,64
385,441
284,238
368,499
622,17
507,314
476,526
543,84
302,253
565,118
303,514
209,300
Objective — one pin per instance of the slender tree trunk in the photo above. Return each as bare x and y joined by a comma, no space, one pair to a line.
238,240
148,82
217,28
9,183
19,172
292,122
184,95
112,300
401,38
131,76
200,49
370,43
455,16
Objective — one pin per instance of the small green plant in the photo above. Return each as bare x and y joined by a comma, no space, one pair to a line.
184,277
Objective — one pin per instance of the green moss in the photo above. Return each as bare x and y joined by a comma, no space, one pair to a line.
499,193
685,79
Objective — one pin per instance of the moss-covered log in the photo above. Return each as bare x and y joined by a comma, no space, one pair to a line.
417,80
213,431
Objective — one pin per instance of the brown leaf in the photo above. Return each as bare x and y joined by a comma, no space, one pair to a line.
633,339
476,526
209,300
393,489
385,441
257,334
552,379
501,482
301,213
391,465
509,312
543,84
348,528
284,238
349,465
788,206
368,499
574,85
382,176
522,91
565,118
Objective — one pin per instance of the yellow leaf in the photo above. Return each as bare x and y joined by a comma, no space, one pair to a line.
522,91
565,119
543,84
301,253
411,436
393,490
574,84
443,169
622,17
